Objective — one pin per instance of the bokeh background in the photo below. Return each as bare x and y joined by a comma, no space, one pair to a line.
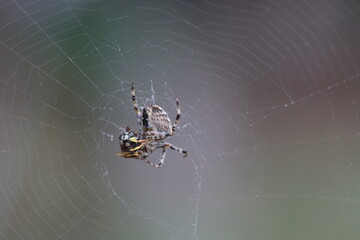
270,96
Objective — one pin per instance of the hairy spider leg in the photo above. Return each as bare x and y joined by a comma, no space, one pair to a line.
155,135
152,164
162,159
180,150
162,145
178,115
136,107
172,147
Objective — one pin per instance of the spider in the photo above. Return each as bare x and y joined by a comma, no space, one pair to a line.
154,126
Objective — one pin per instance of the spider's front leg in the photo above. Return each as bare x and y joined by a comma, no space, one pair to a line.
136,107
178,115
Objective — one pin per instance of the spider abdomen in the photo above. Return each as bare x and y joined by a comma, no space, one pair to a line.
156,119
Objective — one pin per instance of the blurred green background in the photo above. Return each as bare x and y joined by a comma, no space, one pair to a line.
269,93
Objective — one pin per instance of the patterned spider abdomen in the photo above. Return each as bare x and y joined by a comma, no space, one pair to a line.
154,118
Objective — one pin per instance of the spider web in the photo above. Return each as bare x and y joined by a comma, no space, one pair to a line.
269,92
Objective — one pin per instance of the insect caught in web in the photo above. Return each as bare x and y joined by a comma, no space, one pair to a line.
154,126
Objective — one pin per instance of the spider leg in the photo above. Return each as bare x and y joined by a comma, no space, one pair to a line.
172,147
145,154
162,159
155,135
136,107
150,163
178,115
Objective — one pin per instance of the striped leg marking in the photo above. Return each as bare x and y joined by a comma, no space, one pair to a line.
162,159
152,164
136,107
178,115
172,147
155,135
